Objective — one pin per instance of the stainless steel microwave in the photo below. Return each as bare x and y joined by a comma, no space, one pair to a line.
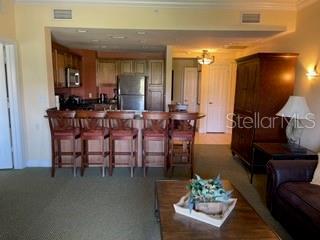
73,77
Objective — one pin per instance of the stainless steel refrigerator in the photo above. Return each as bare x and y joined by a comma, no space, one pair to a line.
131,90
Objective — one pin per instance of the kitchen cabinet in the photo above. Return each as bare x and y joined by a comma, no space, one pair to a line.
132,66
109,69
155,86
60,69
263,85
62,59
140,66
106,73
126,66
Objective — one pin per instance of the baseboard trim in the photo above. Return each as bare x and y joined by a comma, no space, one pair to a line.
38,163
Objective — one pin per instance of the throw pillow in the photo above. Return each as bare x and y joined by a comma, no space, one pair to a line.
316,174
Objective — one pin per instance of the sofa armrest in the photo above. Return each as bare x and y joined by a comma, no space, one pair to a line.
281,171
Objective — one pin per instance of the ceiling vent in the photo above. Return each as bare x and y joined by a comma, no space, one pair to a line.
62,14
235,47
250,17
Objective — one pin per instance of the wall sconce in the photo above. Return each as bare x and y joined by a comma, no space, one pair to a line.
312,73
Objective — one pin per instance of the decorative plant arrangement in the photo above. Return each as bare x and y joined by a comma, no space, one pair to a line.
207,191
206,201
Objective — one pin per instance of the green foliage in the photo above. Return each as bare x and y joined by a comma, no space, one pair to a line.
211,190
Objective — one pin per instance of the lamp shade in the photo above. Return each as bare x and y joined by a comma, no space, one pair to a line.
296,107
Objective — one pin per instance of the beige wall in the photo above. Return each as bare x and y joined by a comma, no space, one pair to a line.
7,23
304,41
32,21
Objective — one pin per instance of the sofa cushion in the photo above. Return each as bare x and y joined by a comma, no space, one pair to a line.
316,175
304,197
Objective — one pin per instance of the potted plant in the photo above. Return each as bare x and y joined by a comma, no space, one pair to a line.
208,196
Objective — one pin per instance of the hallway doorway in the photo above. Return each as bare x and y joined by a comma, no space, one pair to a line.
11,153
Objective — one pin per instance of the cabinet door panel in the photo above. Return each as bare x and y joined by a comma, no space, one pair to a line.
61,76
156,73
155,99
140,66
126,66
106,73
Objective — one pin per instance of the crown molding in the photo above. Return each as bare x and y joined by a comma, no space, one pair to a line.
304,3
291,5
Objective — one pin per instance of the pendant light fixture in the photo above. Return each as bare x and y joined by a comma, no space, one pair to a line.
205,58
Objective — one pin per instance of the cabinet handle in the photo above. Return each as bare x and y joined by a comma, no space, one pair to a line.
210,102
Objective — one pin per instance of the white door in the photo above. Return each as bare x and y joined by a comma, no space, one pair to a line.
190,88
5,136
218,82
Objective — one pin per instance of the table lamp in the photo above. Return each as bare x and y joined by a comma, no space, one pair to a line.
297,109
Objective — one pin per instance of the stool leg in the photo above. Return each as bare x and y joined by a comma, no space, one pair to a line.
59,153
191,157
82,156
110,155
102,157
136,152
131,157
165,155
74,157
171,157
144,156
53,158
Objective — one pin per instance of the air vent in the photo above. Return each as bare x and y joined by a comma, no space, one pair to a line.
62,14
235,47
250,18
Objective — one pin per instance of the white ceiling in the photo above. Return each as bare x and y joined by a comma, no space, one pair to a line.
157,40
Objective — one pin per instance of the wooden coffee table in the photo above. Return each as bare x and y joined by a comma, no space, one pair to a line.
242,223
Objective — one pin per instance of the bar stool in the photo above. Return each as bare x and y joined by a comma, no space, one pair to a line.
181,138
155,129
62,127
93,127
121,128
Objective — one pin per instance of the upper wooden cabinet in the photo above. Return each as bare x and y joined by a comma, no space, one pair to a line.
156,72
132,66
140,66
106,73
126,66
62,59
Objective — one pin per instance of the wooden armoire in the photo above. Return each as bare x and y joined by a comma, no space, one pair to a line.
264,83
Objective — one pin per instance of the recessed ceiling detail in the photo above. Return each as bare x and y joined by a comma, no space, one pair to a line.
157,40
233,4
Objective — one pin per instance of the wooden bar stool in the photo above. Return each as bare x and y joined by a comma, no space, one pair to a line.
93,127
181,138
62,127
121,128
155,129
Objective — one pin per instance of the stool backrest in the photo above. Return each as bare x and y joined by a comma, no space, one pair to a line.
61,120
156,120
91,120
184,121
120,119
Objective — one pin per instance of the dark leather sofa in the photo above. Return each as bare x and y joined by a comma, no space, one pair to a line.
292,200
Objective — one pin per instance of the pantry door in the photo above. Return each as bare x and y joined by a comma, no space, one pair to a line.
218,83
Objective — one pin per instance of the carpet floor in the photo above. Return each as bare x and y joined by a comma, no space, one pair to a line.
35,206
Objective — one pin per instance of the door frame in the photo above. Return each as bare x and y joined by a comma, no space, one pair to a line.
15,104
